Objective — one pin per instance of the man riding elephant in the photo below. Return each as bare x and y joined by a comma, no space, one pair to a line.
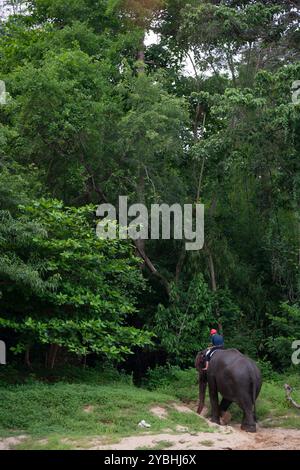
217,342
234,376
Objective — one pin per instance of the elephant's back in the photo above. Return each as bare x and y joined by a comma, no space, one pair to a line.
229,355
232,360
234,372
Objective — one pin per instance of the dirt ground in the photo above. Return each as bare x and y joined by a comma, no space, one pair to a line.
230,439
10,442
224,437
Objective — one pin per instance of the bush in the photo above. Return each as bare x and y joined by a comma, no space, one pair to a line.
267,371
286,329
172,380
100,375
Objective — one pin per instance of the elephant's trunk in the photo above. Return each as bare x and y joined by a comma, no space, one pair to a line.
202,391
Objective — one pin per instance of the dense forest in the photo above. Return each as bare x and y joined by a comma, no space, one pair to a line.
175,101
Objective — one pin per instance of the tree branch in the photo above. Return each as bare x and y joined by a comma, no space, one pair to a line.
288,391
180,264
151,267
140,249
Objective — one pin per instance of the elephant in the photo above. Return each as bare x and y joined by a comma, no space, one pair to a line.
236,377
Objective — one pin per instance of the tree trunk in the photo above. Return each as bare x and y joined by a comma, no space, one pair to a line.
27,357
141,56
51,356
211,270
180,264
140,190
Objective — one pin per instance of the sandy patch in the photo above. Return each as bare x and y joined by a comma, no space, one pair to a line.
88,408
182,408
159,411
10,442
224,439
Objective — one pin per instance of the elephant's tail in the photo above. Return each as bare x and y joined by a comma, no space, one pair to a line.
254,395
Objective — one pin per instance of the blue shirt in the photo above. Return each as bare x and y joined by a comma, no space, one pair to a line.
217,340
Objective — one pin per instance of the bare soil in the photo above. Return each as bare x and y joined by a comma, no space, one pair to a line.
224,437
10,442
227,438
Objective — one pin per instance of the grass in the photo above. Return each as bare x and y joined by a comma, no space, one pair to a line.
274,409
51,443
42,409
62,415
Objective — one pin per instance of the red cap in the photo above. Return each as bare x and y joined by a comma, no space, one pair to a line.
213,332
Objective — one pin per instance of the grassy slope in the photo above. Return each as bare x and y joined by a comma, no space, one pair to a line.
110,406
104,406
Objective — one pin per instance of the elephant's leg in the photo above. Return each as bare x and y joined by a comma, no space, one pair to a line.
224,405
214,402
248,422
254,414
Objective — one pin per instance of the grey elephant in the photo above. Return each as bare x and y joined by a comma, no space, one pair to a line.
236,377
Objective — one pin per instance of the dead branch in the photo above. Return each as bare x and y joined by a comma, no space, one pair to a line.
288,391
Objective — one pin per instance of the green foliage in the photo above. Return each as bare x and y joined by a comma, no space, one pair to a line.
152,132
17,261
284,329
73,289
103,373
268,372
172,379
183,327
93,113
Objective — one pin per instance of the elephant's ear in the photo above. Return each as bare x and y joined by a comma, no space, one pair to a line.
199,361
